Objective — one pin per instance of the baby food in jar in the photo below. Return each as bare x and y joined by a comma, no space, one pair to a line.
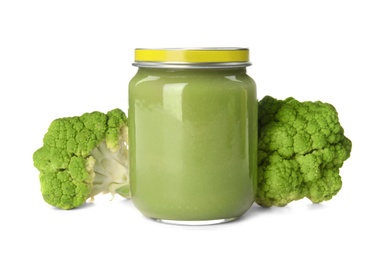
193,134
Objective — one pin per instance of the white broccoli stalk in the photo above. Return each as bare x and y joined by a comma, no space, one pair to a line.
110,167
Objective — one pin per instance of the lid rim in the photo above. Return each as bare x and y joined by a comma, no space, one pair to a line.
197,65
196,49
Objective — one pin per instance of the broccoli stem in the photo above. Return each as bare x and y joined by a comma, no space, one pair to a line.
110,170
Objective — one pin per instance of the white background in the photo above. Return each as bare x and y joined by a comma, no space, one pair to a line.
64,58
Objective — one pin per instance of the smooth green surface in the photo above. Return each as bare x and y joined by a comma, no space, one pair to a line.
193,140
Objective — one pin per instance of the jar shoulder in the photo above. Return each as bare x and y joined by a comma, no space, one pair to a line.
225,78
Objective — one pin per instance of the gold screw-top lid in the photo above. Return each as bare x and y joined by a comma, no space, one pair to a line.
192,57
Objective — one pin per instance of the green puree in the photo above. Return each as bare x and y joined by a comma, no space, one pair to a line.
193,143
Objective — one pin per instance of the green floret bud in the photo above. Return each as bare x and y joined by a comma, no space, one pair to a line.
279,181
301,148
83,156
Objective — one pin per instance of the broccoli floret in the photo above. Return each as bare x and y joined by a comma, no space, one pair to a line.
83,156
301,148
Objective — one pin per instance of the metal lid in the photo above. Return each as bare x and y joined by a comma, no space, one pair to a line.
192,58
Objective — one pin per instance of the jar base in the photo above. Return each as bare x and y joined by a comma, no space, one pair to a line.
195,222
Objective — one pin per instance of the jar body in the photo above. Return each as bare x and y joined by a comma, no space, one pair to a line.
193,143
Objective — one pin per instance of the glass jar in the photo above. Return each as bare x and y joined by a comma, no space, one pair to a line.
193,135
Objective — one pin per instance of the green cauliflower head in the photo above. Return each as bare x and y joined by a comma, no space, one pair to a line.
301,148
83,156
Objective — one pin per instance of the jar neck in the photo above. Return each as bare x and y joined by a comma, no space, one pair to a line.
188,71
